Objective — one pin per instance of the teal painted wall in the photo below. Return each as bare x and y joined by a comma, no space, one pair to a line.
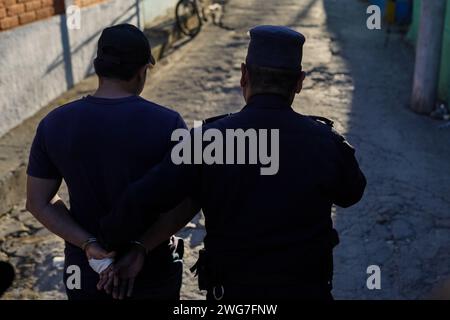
444,81
444,76
412,34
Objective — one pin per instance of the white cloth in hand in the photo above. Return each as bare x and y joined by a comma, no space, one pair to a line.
99,265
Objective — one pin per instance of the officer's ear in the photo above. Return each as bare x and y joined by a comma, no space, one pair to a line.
300,82
244,75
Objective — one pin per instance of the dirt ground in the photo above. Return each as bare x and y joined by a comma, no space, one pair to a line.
403,222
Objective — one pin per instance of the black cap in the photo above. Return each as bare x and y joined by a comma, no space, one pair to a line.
124,44
275,47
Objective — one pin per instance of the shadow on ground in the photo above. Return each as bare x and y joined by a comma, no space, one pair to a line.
402,224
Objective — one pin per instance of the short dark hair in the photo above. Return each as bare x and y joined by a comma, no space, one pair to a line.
271,80
124,72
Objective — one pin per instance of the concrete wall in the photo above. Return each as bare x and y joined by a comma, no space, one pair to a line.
41,60
153,9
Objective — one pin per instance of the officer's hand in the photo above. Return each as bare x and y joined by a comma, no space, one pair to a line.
125,272
106,279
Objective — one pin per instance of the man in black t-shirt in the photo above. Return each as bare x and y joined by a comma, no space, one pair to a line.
99,145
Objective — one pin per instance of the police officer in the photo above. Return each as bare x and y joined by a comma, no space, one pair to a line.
268,236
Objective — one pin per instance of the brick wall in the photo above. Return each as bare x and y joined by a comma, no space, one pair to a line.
14,13
85,3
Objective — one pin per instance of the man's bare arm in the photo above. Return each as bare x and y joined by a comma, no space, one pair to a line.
46,206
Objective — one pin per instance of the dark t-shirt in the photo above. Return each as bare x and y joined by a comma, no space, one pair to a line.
99,146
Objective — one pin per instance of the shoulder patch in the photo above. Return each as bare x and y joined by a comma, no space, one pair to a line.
343,143
323,120
212,119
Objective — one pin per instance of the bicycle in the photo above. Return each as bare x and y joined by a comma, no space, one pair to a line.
192,14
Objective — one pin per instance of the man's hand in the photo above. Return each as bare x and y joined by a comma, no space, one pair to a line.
95,251
119,278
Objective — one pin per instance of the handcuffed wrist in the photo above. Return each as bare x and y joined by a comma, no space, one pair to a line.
88,242
140,245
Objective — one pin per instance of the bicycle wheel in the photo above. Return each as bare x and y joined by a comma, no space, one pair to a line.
188,18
